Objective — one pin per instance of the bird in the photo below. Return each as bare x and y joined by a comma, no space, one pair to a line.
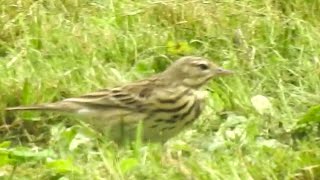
160,106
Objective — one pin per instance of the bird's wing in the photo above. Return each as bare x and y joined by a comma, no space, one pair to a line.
116,103
130,104
130,97
135,97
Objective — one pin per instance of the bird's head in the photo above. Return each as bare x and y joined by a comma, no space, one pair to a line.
194,71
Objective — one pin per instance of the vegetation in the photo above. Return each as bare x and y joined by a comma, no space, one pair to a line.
262,123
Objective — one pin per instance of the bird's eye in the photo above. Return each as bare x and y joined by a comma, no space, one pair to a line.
203,66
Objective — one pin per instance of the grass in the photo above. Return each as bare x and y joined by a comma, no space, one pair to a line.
50,50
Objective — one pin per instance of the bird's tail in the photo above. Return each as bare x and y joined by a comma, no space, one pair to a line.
62,107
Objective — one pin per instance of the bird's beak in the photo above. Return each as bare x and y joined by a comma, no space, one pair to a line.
222,72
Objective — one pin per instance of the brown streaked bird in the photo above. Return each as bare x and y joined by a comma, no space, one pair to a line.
165,103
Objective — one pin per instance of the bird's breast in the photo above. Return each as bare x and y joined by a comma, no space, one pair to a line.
163,125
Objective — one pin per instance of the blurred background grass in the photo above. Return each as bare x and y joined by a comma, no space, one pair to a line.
50,50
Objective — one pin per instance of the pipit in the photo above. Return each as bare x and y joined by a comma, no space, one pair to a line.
163,104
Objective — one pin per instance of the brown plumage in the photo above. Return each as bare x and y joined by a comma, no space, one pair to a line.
165,103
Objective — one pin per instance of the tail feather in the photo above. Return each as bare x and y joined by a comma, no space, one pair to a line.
30,108
60,106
